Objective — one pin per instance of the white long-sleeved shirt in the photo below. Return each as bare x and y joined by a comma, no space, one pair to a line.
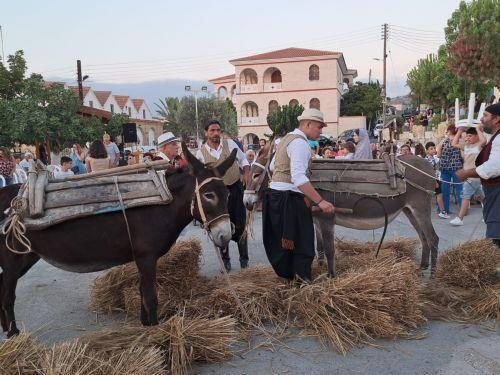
299,153
491,167
216,153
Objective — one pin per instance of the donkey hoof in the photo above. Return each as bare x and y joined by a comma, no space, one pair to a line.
12,332
424,266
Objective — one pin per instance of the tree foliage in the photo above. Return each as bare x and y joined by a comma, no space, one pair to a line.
180,114
284,119
472,41
362,99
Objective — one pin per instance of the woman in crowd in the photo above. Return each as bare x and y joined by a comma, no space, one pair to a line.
7,166
420,150
450,162
98,159
363,148
78,159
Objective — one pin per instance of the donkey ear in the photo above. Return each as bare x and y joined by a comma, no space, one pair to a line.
195,165
226,164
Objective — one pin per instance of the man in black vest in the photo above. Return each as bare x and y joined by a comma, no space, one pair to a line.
488,169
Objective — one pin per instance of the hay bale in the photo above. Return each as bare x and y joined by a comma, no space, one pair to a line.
19,355
259,290
378,301
452,303
114,291
470,264
182,340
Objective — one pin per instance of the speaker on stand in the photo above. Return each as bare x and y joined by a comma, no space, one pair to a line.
129,131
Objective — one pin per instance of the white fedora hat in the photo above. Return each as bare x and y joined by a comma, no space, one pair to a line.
312,114
167,138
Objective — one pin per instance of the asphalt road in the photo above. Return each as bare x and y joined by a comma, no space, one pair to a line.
54,303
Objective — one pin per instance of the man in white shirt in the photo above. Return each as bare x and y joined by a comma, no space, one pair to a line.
288,229
65,170
168,144
112,150
488,169
213,152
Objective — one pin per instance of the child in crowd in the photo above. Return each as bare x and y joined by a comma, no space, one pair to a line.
347,150
65,170
430,149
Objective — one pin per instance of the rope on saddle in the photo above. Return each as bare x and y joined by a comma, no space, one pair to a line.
14,229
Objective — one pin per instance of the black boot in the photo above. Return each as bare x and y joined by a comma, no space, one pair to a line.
224,252
243,249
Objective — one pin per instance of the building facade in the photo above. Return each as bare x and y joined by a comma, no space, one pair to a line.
261,83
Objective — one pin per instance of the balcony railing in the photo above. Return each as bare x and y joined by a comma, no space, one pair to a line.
274,86
249,121
249,88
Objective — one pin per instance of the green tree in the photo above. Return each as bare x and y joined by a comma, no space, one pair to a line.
284,119
362,99
472,41
12,77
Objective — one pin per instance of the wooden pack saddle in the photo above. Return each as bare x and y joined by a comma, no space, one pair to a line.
377,178
54,201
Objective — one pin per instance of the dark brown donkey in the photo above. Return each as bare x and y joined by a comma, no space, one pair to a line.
100,242
416,203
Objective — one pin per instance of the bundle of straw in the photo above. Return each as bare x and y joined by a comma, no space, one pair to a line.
352,255
76,358
19,355
470,264
182,340
179,268
259,290
378,301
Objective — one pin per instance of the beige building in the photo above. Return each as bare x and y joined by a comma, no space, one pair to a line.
265,81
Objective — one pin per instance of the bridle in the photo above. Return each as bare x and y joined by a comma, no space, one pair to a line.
206,223
265,171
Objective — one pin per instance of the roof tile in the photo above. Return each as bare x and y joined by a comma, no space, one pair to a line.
286,54
102,96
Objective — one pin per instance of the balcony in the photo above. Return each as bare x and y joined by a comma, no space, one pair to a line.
272,86
249,121
249,88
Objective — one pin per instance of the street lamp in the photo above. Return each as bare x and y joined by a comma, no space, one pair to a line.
188,88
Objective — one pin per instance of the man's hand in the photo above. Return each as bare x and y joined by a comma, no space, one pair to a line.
461,174
464,174
326,207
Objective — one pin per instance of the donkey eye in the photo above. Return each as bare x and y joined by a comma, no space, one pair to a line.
209,195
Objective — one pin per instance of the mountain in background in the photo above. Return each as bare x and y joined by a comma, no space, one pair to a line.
151,91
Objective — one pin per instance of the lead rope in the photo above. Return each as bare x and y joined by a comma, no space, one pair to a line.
122,206
14,229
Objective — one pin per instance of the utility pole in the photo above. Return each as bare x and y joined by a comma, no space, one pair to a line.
370,76
384,87
79,79
1,40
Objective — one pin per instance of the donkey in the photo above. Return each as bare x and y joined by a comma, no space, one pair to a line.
99,242
416,203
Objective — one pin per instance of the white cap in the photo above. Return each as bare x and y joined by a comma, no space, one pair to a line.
167,138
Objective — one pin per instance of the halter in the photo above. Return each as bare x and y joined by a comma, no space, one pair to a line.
265,171
206,223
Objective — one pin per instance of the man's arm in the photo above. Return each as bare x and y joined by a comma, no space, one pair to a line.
481,136
456,139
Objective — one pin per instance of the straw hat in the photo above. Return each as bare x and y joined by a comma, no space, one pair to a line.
312,114
167,138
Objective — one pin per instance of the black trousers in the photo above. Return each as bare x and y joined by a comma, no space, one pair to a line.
238,216
285,215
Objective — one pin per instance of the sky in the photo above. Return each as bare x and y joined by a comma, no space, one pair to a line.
140,44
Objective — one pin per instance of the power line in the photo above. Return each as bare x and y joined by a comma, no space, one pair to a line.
414,29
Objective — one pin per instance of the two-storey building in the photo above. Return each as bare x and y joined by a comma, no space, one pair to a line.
261,83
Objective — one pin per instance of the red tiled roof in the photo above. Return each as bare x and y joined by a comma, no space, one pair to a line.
121,100
102,96
85,90
286,54
137,103
223,78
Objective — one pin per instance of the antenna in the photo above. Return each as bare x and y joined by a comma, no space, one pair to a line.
1,42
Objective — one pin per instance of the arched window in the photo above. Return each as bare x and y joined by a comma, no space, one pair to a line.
273,106
276,76
293,102
248,77
314,103
314,73
222,93
151,136
233,91
249,109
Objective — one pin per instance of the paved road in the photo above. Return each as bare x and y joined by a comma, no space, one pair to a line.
55,303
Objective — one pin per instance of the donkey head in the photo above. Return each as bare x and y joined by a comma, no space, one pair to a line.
258,177
210,197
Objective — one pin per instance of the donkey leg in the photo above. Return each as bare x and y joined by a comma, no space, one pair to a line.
327,231
17,266
3,318
320,246
147,285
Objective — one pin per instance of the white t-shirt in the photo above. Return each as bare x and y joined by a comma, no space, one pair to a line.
61,174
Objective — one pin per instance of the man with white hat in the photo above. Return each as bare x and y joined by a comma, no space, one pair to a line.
168,144
288,229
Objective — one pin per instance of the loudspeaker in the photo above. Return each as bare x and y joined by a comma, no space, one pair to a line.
129,131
